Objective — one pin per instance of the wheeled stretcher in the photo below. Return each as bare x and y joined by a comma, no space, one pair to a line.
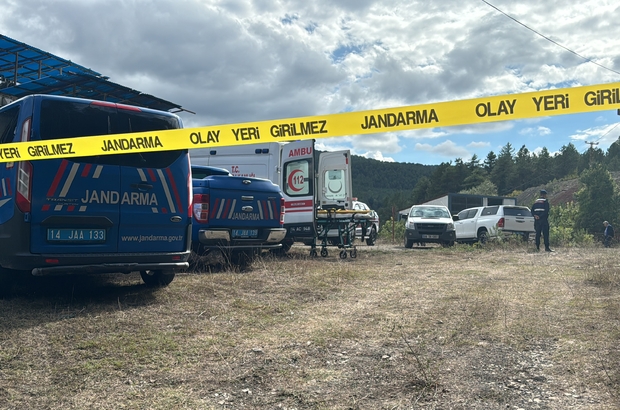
336,227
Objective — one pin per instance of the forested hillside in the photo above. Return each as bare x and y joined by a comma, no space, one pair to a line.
386,186
381,183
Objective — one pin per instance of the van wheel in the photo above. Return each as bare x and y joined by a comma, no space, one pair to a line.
372,237
7,281
408,243
157,278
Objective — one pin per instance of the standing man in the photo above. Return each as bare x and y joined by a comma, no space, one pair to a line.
609,234
540,210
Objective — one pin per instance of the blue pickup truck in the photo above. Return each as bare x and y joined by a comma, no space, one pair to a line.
234,217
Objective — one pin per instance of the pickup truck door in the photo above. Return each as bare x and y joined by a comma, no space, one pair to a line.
466,228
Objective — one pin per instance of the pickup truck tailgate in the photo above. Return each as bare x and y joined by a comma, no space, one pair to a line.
518,219
242,213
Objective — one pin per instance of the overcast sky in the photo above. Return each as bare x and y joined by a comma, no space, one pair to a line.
245,60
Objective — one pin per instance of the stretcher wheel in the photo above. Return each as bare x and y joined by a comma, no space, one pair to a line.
353,253
324,252
313,253
343,254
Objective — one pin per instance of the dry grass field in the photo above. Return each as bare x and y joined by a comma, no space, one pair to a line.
501,327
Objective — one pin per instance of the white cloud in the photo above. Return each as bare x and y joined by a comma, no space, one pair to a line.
447,149
479,144
537,131
238,61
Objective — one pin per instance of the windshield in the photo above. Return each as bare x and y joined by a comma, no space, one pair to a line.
429,212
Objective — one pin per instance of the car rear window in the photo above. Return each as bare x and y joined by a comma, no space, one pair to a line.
517,212
490,210
202,173
70,119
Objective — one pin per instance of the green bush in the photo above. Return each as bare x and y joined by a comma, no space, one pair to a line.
562,231
385,233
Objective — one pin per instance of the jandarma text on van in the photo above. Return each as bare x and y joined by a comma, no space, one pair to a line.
128,144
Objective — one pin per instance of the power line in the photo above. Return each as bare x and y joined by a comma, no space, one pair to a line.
552,41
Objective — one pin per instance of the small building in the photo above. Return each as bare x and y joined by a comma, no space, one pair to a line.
457,202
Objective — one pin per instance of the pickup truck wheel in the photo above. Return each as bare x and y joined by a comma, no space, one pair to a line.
242,259
286,247
372,237
447,244
408,243
157,278
483,237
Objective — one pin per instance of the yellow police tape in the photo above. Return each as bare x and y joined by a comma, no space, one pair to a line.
443,114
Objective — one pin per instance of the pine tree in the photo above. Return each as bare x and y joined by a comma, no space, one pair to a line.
598,200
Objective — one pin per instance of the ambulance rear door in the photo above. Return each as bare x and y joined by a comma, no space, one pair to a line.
334,180
298,186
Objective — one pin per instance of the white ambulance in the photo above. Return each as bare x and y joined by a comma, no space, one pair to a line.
291,166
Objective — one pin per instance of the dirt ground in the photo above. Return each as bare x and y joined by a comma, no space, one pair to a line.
499,327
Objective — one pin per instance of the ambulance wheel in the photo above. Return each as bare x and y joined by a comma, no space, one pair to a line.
324,252
343,254
157,278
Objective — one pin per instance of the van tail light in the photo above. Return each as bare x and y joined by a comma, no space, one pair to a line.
23,198
189,190
24,186
201,208
282,211
500,223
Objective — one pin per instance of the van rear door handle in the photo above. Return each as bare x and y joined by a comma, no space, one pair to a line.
142,187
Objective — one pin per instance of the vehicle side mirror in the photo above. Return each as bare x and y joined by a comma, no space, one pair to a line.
455,217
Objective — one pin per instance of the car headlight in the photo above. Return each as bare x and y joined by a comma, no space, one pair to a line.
410,225
450,227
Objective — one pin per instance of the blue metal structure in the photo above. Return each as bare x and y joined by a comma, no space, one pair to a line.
26,70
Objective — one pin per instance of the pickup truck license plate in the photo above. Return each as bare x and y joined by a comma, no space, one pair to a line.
245,233
430,236
76,235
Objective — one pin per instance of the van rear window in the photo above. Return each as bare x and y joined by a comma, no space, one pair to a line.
70,119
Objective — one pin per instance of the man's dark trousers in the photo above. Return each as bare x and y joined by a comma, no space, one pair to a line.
542,227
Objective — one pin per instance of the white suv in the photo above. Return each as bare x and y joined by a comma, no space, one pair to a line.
429,224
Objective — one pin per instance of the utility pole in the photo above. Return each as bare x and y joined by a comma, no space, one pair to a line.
592,144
